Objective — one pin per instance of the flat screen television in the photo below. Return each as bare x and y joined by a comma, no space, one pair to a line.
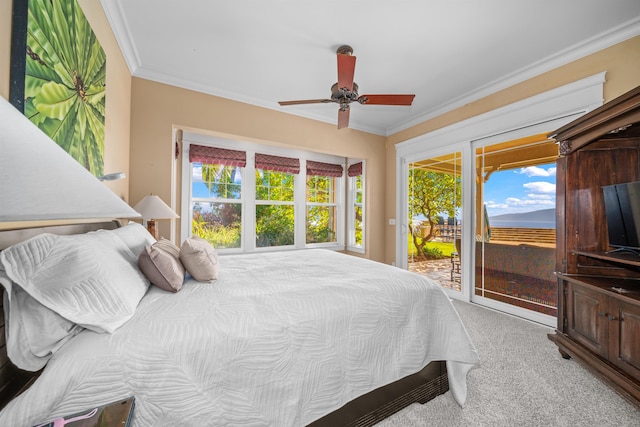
622,206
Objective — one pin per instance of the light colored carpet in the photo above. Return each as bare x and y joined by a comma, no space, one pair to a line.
521,381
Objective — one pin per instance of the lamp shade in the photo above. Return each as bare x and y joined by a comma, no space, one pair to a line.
152,207
40,181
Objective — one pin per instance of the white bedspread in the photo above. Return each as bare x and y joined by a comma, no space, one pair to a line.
281,339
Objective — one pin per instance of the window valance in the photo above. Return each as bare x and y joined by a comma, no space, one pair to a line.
355,169
277,163
323,169
217,156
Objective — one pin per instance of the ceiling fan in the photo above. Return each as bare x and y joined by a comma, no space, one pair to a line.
346,91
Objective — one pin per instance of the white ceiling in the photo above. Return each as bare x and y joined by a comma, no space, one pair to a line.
447,52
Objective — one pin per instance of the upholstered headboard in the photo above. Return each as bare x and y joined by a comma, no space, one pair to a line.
12,379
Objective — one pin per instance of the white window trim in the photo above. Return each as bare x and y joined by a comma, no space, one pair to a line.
185,226
248,190
340,207
351,246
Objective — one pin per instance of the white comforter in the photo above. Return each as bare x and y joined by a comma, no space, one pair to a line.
280,339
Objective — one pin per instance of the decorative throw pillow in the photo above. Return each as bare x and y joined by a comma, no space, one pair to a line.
161,264
199,259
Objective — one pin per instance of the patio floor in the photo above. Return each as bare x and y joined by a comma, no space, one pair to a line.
534,298
438,270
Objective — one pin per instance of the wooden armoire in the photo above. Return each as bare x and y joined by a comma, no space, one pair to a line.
598,290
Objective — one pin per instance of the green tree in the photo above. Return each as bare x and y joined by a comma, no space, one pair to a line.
358,211
208,226
274,225
274,222
221,181
430,194
221,223
320,218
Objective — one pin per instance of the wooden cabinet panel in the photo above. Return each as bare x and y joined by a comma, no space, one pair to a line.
587,321
625,348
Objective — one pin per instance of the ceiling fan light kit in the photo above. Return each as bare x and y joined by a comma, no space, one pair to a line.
345,91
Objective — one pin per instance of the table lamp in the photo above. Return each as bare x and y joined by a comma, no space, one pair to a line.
152,208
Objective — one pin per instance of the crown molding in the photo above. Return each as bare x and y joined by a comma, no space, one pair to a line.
121,32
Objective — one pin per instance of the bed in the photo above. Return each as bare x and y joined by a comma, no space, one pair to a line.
292,338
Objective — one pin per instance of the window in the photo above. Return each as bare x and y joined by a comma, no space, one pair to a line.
321,209
355,207
322,206
291,202
216,192
275,202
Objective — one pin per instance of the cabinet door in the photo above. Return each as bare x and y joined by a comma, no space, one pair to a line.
624,331
587,318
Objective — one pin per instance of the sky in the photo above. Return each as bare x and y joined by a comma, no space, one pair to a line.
521,190
199,188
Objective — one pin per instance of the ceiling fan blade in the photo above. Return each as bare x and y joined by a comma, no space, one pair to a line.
346,69
304,101
386,99
343,118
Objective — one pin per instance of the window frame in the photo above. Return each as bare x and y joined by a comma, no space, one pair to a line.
351,208
219,200
339,207
269,202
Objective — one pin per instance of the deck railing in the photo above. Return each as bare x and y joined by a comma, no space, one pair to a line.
447,233
527,235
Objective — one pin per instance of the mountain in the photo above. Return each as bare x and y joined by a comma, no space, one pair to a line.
542,215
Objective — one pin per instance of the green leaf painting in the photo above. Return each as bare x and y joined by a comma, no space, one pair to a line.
65,75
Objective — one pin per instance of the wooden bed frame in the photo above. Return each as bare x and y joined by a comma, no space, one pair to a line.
366,410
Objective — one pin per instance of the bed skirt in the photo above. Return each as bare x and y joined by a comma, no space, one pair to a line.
385,401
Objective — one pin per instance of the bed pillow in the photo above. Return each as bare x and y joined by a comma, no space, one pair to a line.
33,332
90,279
199,259
161,264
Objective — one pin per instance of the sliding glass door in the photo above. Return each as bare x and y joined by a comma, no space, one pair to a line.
515,226
502,253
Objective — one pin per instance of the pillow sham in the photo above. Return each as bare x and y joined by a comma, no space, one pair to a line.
33,332
89,279
199,259
161,264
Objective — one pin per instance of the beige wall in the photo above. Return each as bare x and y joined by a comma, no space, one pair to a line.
5,46
621,63
118,97
158,109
